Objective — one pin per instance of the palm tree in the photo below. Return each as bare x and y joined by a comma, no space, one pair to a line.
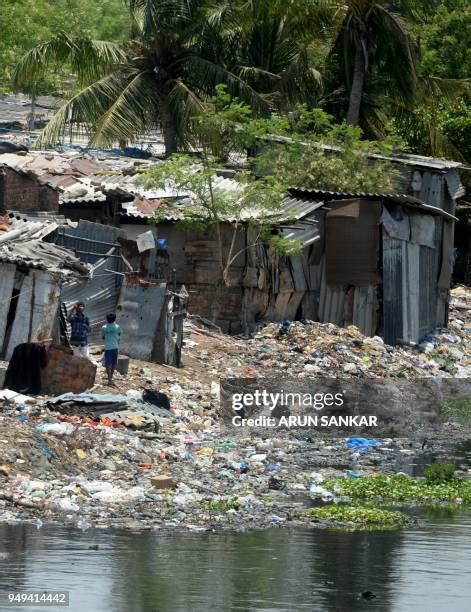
268,44
160,78
180,50
374,39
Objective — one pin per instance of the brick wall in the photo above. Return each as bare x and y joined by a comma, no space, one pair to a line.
24,194
65,373
202,301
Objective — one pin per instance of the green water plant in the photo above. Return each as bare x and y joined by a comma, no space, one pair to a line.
441,471
357,517
402,488
216,506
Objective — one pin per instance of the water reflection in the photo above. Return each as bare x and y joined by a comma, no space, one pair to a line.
422,569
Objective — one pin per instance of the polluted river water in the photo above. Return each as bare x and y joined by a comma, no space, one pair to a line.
421,569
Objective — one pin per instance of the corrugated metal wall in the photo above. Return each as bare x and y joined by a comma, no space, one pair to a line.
438,188
138,315
392,289
90,241
332,305
100,295
36,310
7,282
95,244
412,302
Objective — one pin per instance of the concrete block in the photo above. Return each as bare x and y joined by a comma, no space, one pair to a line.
123,365
163,482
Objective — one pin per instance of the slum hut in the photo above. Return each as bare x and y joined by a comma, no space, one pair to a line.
124,280
380,262
53,183
32,272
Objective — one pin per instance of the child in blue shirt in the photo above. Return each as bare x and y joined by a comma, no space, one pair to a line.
111,334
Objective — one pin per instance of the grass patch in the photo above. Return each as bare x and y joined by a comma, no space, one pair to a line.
402,489
216,506
357,517
457,410
445,362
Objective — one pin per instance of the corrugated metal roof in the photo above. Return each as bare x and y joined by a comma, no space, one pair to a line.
40,215
34,253
297,207
292,207
437,163
406,200
141,208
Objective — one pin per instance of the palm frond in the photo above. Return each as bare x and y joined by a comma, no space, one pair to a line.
85,108
204,75
432,87
159,16
134,111
88,59
397,50
184,104
253,73
299,81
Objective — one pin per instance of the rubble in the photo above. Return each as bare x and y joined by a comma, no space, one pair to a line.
71,459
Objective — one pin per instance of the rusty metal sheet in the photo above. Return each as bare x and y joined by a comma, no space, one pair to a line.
7,282
352,243
36,310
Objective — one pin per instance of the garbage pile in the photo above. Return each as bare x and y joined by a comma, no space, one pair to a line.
155,453
324,349
190,472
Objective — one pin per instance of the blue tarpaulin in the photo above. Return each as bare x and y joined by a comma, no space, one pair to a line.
361,444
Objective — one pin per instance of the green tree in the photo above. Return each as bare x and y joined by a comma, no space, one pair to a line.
254,201
439,121
270,45
161,77
375,37
22,24
315,153
26,23
445,39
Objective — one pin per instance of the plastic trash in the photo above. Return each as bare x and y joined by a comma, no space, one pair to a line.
276,519
60,429
109,495
238,466
134,394
361,444
44,448
316,491
95,486
227,445
257,458
283,327
353,474
66,505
